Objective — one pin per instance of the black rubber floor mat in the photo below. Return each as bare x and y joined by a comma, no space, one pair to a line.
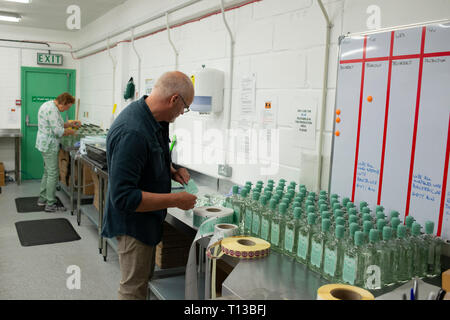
45,231
29,204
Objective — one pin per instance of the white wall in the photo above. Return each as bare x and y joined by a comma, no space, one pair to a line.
11,61
282,42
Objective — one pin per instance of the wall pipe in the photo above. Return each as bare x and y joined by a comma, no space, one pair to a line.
230,94
114,63
171,42
324,93
139,62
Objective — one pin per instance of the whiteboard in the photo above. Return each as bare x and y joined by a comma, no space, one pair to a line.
391,142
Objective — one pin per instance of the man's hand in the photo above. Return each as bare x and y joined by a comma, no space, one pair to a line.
184,200
181,175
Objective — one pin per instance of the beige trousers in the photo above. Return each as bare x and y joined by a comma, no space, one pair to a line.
137,263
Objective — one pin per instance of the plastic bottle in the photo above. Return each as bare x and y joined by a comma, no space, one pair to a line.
256,218
277,229
291,233
305,233
404,255
250,209
389,259
419,249
334,256
434,250
353,265
372,264
318,242
266,219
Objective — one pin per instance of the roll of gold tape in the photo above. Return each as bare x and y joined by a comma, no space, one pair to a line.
343,292
245,247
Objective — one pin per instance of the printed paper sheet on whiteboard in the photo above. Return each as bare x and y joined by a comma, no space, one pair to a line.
392,131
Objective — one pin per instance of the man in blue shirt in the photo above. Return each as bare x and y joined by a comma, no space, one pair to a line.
139,179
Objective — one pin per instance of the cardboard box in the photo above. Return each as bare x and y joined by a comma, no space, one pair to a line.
88,186
96,202
446,280
171,257
2,174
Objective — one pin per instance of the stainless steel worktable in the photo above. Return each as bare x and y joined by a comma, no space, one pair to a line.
16,135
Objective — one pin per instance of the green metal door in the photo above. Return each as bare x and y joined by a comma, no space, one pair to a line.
38,86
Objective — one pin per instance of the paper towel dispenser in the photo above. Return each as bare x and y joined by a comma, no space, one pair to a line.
208,86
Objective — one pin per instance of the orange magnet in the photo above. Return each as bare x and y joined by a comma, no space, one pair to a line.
338,119
370,98
338,111
337,133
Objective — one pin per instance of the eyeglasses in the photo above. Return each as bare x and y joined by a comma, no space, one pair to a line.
186,107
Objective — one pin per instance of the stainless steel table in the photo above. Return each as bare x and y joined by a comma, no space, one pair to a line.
16,135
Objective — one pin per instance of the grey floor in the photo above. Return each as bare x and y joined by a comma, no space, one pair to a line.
39,272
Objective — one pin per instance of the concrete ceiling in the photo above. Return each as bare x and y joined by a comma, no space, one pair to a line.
51,14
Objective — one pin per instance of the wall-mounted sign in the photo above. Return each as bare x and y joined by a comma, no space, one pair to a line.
41,98
50,59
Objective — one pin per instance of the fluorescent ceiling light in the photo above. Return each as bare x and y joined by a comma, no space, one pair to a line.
21,1
11,17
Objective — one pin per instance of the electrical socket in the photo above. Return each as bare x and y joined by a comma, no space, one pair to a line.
225,170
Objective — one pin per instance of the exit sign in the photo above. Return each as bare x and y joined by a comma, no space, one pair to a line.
48,58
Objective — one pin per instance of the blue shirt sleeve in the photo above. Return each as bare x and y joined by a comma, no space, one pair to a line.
128,158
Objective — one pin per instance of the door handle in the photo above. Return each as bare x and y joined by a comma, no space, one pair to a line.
27,122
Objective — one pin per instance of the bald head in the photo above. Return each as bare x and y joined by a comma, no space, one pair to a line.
174,82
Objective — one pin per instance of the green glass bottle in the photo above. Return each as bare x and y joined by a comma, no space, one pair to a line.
237,203
404,255
345,201
305,233
380,224
367,225
291,233
353,219
362,205
334,256
353,265
350,236
277,229
434,250
409,220
242,203
266,219
394,214
250,209
229,200
372,262
419,250
318,242
256,218
389,259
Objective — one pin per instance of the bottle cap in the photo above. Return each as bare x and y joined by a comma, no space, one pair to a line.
297,212
312,194
338,213
345,201
336,206
362,204
326,223
263,200
365,210
394,223
367,217
359,238
352,211
282,208
270,181
379,208
322,192
259,182
293,183
280,193
340,221
339,232
235,189
380,215
310,209
282,180
401,231
244,193
353,219
350,205
256,196
387,233
309,203
380,224
325,215
373,235
296,204
272,204
394,214
248,183
409,221
367,225
311,218
353,227
323,207
334,196
429,227
416,229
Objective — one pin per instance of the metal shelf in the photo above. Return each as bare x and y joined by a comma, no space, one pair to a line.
173,288
91,212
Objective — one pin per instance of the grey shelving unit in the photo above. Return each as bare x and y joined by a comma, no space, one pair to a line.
172,288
